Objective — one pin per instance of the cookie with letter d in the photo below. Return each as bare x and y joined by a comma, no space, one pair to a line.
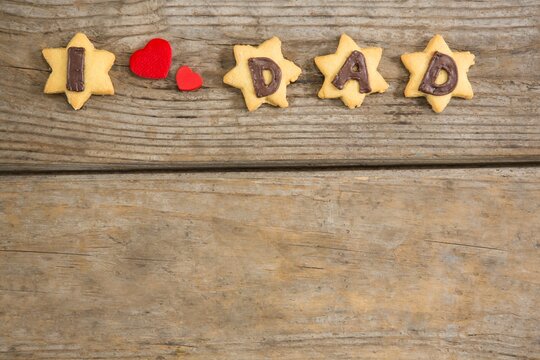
438,73
262,73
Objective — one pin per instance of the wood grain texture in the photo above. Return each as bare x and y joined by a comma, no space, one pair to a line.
431,264
150,124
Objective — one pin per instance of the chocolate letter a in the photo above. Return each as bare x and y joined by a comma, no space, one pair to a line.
354,69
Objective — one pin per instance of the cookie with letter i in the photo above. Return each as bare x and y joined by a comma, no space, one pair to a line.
79,70
438,73
351,73
262,73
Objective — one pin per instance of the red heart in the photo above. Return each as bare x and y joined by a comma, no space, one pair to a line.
187,79
153,61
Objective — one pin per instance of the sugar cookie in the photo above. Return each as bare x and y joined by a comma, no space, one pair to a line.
262,73
428,80
79,70
350,62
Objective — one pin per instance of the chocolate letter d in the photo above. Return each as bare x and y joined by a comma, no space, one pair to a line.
439,62
256,67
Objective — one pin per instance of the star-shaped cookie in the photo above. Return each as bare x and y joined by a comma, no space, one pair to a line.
419,63
79,70
269,55
352,91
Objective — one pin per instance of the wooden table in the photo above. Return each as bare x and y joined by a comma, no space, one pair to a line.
155,224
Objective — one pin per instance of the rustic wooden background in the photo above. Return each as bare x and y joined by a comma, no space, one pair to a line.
160,225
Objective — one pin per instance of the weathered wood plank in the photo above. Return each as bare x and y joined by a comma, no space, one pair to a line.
150,124
431,264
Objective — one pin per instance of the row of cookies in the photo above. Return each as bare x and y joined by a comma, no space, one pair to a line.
262,73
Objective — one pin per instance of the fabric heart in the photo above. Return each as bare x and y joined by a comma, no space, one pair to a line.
187,79
153,61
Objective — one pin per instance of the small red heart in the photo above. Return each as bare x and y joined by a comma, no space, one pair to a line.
187,79
153,61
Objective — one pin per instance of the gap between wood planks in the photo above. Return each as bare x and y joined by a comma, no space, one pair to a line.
257,169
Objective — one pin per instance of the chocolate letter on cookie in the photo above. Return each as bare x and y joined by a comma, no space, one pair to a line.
256,67
354,69
439,62
75,69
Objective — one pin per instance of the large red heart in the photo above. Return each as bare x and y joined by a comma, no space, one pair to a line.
187,79
153,61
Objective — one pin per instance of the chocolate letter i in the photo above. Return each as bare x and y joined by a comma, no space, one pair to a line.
75,69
